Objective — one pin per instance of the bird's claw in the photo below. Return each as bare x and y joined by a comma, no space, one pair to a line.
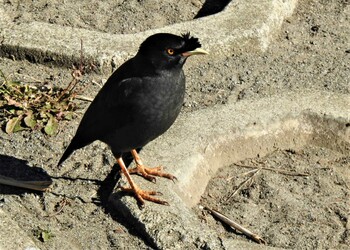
142,195
173,178
150,173
150,178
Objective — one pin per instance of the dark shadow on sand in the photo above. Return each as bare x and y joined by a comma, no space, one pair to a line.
17,172
106,189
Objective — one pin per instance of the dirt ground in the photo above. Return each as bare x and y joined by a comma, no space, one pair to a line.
108,16
303,212
286,208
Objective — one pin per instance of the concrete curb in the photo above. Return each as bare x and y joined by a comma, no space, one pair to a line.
201,142
243,23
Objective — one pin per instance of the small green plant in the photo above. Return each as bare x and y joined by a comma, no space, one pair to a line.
23,106
43,235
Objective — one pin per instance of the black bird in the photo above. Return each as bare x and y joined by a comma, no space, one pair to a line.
138,103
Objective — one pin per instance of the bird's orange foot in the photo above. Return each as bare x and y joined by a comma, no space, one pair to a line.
142,195
149,173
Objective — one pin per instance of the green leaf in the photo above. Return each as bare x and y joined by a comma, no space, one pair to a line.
48,105
43,114
68,116
46,235
51,126
14,125
12,111
43,235
29,120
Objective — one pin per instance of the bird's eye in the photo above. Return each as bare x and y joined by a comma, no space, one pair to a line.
170,51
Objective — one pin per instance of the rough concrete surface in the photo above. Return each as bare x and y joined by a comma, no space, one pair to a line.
283,122
275,79
44,42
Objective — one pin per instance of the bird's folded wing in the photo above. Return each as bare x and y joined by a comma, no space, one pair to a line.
111,109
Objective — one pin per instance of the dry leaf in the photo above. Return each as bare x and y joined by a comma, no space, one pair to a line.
14,125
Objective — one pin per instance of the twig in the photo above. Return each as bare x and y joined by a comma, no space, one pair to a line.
280,171
243,174
81,66
33,80
3,76
62,204
70,197
94,82
76,74
235,225
84,98
64,91
243,183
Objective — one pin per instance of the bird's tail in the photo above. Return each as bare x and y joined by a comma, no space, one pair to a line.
74,145
66,154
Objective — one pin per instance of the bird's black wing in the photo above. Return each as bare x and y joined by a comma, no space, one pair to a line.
111,109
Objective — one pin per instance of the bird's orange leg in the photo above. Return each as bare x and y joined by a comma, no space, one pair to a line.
140,194
147,172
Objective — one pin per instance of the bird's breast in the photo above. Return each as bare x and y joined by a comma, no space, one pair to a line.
161,103
155,106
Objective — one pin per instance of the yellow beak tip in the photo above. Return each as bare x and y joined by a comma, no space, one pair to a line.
197,51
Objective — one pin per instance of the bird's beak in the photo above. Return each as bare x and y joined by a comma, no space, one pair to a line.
197,51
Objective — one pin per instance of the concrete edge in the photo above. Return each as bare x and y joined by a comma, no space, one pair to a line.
220,34
213,138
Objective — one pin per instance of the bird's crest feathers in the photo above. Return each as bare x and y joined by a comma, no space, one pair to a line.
191,43
162,41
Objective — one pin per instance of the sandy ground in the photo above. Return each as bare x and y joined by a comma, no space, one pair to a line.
306,212
108,16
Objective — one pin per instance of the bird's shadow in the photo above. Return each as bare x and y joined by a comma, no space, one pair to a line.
106,189
15,172
18,169
108,184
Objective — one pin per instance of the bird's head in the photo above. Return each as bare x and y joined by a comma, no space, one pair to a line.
166,51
